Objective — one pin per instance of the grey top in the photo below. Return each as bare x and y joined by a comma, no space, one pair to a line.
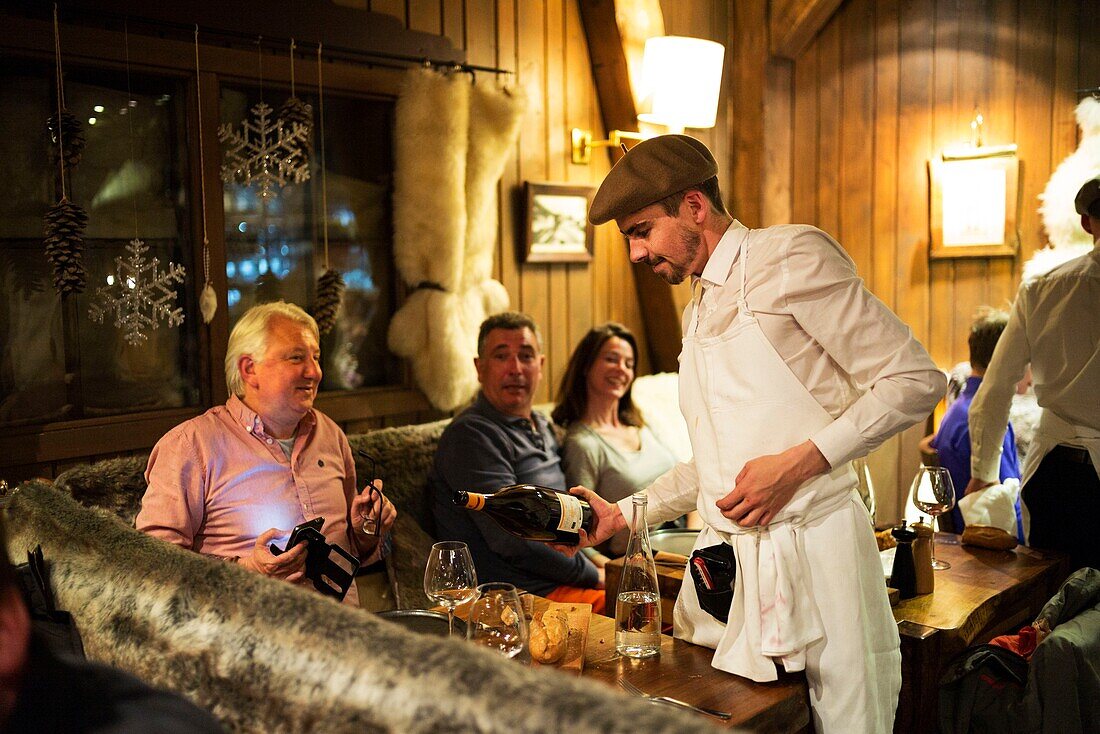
590,460
483,450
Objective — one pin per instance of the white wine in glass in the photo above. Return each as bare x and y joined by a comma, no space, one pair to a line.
933,494
497,620
450,578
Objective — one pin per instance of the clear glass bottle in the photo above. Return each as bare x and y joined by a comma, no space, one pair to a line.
638,602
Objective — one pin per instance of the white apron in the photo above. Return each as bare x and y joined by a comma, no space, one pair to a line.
741,401
1050,432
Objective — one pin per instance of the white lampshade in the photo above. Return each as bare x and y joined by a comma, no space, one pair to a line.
681,79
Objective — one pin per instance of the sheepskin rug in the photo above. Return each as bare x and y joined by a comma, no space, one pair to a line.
1060,220
265,656
454,139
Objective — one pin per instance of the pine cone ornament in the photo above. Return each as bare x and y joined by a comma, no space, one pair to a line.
330,290
65,224
293,111
72,138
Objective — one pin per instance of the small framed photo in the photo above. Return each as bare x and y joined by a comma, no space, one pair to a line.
558,230
973,205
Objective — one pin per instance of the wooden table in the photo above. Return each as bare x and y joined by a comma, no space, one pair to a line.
683,671
985,593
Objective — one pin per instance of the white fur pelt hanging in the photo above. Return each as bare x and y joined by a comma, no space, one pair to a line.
452,143
1061,221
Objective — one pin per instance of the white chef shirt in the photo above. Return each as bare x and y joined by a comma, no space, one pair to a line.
853,355
1054,326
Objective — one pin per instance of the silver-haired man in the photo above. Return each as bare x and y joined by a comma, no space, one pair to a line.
237,478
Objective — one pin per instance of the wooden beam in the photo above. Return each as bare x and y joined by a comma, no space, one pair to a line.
618,112
747,27
794,23
609,67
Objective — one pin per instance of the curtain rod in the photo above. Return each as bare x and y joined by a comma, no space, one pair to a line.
366,58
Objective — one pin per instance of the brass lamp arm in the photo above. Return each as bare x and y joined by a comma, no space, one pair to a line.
583,142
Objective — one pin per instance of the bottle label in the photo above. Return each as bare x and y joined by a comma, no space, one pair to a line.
571,513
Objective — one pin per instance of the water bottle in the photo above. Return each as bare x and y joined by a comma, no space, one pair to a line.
638,603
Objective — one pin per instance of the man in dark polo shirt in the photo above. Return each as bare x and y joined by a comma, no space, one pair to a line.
499,441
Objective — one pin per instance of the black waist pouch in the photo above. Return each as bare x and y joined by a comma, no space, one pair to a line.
713,570
55,627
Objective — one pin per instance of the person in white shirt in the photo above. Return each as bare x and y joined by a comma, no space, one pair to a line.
790,369
1055,327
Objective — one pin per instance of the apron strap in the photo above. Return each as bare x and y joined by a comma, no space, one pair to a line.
742,303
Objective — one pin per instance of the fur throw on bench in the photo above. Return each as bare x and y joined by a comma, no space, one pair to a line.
264,656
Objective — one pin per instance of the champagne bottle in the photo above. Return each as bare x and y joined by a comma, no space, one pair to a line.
532,512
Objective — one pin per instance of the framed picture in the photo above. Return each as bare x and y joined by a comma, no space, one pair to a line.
558,230
973,204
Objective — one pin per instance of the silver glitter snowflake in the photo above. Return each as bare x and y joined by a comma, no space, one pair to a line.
138,294
265,150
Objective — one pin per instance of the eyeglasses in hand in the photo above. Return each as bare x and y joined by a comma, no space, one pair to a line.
373,524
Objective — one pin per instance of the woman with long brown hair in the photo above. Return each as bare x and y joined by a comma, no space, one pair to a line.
608,447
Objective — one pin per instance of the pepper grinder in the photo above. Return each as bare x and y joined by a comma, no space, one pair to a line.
903,576
922,558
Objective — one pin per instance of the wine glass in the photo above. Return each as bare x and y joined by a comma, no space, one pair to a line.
934,494
450,578
496,619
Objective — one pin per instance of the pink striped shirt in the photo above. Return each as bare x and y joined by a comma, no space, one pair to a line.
218,481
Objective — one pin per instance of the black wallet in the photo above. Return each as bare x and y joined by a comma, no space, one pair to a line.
713,570
331,568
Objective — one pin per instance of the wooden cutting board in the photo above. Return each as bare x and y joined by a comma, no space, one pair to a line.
579,616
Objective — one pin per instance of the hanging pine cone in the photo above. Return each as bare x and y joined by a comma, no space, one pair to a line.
72,138
65,224
330,290
295,110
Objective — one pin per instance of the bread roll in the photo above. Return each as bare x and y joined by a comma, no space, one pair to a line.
549,636
987,536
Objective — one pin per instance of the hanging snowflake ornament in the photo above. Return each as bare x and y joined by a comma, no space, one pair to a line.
265,150
139,295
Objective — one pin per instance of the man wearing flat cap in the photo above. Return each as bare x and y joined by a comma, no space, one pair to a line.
1054,326
790,369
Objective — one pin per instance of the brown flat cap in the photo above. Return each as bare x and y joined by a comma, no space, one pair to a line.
650,171
1088,198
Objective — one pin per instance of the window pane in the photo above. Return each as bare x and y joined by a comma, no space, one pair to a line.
275,248
114,377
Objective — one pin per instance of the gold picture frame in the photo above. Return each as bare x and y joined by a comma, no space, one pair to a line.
556,222
974,198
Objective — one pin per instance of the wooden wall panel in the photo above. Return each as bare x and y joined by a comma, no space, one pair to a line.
928,66
907,76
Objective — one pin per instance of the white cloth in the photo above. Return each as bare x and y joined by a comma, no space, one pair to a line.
744,396
994,506
1055,327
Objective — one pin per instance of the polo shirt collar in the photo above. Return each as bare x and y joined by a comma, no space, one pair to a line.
725,254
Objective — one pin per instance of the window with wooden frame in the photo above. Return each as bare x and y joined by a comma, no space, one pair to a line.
55,363
71,390
274,245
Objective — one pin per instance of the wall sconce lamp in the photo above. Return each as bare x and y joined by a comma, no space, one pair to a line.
681,81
